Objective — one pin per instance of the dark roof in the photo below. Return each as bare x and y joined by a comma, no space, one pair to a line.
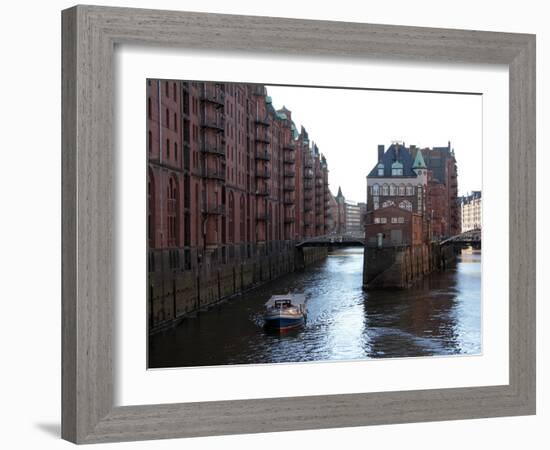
395,152
472,196
436,160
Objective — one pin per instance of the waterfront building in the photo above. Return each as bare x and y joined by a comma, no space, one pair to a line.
229,179
353,217
471,211
411,195
344,216
442,205
363,214
332,219
339,212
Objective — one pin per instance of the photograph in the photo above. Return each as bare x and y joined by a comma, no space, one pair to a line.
292,224
268,225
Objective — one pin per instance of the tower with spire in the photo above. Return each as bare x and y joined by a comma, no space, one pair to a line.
340,213
419,167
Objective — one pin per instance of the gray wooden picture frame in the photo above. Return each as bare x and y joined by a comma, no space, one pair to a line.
90,34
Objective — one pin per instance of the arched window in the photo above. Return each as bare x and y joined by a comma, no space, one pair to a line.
150,209
176,150
410,190
248,232
388,203
375,190
197,216
149,112
242,216
401,189
380,170
270,223
393,189
150,141
168,148
172,212
231,218
385,189
405,204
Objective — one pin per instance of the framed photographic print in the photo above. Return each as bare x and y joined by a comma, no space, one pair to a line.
265,229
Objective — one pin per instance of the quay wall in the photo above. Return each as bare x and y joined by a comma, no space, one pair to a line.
401,267
174,295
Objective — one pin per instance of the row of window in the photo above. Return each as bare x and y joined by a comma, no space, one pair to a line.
172,213
404,204
167,89
385,220
395,171
166,116
167,120
167,148
393,189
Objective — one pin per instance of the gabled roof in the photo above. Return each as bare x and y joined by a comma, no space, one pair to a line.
395,152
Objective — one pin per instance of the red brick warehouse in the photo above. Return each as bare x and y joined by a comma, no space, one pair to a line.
229,178
412,196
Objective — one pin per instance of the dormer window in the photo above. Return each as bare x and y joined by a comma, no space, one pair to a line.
380,170
397,169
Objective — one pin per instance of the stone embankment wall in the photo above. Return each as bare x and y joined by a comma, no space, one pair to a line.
175,295
403,266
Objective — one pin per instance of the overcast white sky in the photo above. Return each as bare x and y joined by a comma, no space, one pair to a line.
348,125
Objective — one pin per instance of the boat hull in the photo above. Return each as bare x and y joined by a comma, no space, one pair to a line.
283,323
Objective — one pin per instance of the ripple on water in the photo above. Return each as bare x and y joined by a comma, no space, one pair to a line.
440,316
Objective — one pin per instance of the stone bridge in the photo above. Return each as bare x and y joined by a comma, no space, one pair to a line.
470,237
334,240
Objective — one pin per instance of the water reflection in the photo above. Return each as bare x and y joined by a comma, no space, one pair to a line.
440,316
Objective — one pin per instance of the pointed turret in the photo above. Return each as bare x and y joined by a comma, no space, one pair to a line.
419,161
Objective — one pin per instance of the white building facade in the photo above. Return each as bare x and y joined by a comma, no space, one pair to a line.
471,210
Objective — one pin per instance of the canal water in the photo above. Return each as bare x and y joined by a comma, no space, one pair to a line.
440,316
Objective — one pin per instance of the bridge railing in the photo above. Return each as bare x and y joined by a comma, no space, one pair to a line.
467,236
332,239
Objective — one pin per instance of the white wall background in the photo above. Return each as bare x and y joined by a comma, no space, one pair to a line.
31,208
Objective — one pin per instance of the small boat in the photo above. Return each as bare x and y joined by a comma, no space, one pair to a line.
284,312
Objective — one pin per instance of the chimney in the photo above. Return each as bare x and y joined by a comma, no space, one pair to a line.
412,150
380,152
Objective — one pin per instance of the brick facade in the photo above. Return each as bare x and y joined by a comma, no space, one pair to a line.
229,179
412,196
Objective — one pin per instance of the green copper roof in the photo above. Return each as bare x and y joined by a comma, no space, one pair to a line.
268,99
419,161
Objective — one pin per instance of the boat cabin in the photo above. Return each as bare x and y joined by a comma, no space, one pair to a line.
286,301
